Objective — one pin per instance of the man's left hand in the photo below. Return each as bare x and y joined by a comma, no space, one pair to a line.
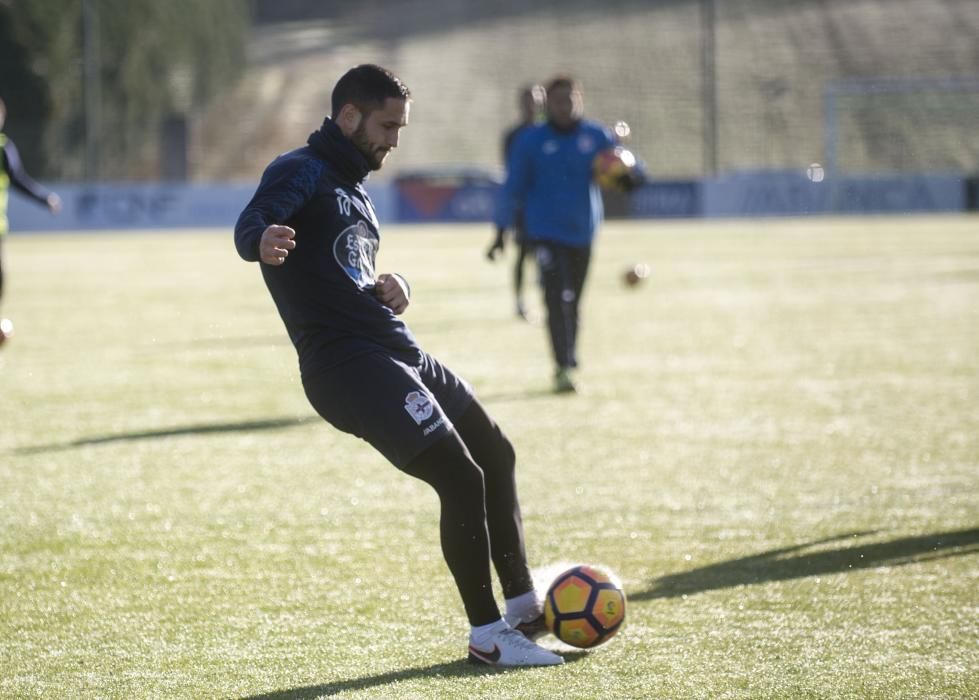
392,291
497,245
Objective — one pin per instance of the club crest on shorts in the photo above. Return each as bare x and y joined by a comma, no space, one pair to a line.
586,144
419,406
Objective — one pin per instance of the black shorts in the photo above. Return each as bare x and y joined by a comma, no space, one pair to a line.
398,408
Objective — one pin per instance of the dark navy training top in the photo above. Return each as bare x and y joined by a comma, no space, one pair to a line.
324,290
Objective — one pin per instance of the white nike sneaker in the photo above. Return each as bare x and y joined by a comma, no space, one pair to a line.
508,647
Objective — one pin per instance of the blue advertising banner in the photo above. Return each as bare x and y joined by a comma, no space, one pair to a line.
422,200
666,200
473,199
134,206
429,201
150,206
792,193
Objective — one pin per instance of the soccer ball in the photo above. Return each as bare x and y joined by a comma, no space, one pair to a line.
584,606
611,165
635,274
6,329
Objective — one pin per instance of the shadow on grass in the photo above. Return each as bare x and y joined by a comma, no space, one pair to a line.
239,342
508,396
201,429
796,562
453,669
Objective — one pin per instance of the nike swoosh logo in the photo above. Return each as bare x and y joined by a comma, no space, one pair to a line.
490,657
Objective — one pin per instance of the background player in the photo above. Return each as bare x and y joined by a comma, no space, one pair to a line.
531,103
313,227
550,179
12,173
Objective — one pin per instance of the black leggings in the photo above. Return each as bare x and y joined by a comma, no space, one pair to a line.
523,247
563,272
472,470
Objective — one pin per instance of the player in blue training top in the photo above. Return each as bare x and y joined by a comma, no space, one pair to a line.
313,228
531,101
549,176
12,173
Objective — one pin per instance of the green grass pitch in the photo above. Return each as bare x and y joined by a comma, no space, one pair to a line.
776,447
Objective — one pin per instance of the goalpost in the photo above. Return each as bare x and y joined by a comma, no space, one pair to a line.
901,125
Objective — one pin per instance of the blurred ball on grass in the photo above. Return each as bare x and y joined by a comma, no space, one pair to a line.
6,329
634,275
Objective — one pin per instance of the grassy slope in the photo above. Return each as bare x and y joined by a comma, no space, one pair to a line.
775,448
638,61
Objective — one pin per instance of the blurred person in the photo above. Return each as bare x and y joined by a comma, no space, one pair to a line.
12,173
550,179
312,227
530,101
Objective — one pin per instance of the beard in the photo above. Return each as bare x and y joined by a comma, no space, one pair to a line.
373,153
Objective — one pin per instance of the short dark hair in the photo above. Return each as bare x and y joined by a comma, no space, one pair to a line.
366,87
563,81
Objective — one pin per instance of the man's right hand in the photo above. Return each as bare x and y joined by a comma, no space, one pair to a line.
275,244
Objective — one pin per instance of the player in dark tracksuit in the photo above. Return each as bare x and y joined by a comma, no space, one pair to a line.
12,173
313,227
531,102
549,176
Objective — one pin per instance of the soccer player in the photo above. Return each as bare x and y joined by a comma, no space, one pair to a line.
12,173
530,101
549,177
313,228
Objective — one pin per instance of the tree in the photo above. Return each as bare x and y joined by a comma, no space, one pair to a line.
154,59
